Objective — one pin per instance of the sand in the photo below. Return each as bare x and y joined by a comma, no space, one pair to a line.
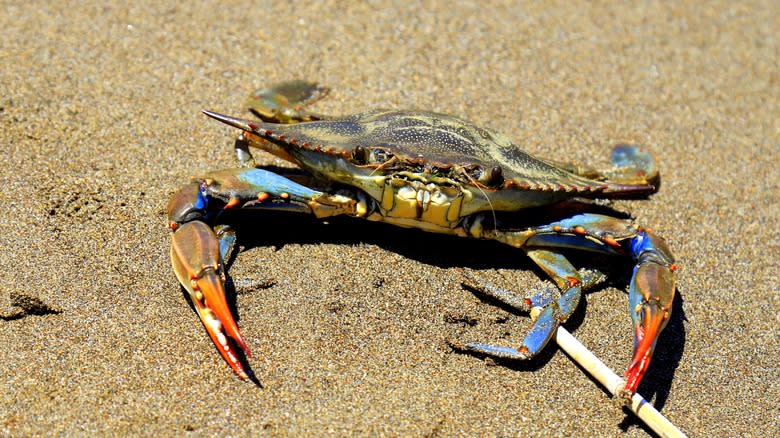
100,123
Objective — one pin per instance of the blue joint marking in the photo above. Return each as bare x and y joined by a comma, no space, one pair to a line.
635,299
640,244
269,182
202,201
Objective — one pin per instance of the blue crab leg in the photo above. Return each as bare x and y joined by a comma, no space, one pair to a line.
198,251
547,313
284,102
226,237
630,165
524,303
280,103
651,291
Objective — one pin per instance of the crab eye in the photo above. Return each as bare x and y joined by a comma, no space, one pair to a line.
360,155
489,177
493,177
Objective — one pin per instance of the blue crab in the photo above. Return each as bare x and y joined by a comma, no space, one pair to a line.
437,173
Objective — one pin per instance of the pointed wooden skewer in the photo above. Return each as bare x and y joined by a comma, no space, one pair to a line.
614,384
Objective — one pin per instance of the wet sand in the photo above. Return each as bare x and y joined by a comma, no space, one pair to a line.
100,116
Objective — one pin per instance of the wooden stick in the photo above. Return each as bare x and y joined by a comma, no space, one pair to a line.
614,384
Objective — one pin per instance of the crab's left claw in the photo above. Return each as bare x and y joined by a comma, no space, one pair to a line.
651,294
196,259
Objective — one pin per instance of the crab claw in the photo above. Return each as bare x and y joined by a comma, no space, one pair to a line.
197,262
651,294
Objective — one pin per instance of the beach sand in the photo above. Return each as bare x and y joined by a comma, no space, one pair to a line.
100,123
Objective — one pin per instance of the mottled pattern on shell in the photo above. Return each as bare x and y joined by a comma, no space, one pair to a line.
438,140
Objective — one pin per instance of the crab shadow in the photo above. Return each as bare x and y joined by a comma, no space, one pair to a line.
446,252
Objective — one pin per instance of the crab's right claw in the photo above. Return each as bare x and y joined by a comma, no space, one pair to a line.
651,294
197,262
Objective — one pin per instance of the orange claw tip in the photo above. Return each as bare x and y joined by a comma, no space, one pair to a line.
635,372
215,329
210,285
652,320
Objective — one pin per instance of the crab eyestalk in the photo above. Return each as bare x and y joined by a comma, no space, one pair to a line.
651,294
197,263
